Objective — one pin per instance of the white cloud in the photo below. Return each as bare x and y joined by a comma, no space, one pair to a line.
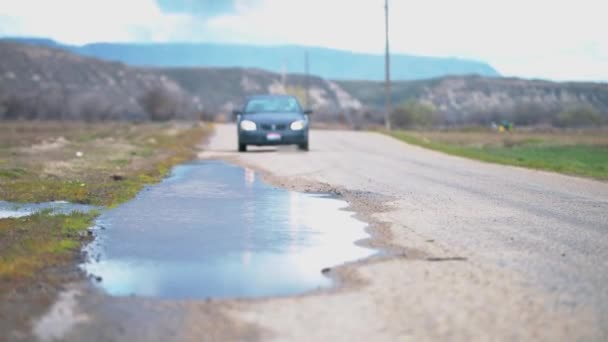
540,38
77,21
344,24
555,39
520,37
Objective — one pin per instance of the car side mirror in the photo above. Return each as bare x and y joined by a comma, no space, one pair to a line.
308,111
236,112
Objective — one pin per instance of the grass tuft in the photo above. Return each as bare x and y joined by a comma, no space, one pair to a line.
41,240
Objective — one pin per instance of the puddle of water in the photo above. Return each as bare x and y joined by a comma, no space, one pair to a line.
216,230
14,210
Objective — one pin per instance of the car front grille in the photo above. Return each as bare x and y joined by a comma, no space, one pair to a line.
273,127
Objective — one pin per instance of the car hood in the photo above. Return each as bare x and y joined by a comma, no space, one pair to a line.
274,117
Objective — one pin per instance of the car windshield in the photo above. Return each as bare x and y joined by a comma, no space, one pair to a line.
273,105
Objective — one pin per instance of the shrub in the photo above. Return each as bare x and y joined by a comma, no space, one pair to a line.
581,116
160,103
414,114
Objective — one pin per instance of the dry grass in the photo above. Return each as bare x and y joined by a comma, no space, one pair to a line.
84,163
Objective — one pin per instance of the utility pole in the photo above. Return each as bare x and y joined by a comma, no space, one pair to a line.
307,72
284,75
387,71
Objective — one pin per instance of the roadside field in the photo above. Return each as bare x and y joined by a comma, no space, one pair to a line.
583,153
98,164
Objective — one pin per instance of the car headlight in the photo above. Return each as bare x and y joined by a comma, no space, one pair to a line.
298,125
247,125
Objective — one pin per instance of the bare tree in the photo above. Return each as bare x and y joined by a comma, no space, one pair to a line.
160,103
92,107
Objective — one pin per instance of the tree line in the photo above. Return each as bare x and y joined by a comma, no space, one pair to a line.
417,114
157,104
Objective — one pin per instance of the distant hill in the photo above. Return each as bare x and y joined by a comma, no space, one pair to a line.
50,83
326,63
221,89
43,82
474,99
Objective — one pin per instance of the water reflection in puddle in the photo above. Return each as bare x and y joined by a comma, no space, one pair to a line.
15,210
215,230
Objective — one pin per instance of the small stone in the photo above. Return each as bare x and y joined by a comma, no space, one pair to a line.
79,154
117,177
326,270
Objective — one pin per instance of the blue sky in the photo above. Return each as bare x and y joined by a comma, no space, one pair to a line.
553,39
200,8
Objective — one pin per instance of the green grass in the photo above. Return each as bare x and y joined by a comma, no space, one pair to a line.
578,159
40,240
12,173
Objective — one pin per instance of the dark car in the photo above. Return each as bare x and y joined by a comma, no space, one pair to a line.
272,120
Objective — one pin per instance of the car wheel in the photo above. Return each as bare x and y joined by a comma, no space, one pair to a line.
242,147
303,146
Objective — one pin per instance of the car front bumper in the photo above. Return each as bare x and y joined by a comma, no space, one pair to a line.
261,137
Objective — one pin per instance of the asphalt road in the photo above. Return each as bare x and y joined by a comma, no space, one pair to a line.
526,235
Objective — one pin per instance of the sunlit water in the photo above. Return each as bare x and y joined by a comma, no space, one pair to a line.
15,210
216,230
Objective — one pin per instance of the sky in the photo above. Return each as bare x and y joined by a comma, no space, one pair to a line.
551,39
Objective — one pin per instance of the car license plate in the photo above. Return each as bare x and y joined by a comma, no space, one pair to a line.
273,136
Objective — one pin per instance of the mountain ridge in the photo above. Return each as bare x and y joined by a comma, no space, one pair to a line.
324,62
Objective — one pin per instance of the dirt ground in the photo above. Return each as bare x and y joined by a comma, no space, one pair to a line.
471,251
